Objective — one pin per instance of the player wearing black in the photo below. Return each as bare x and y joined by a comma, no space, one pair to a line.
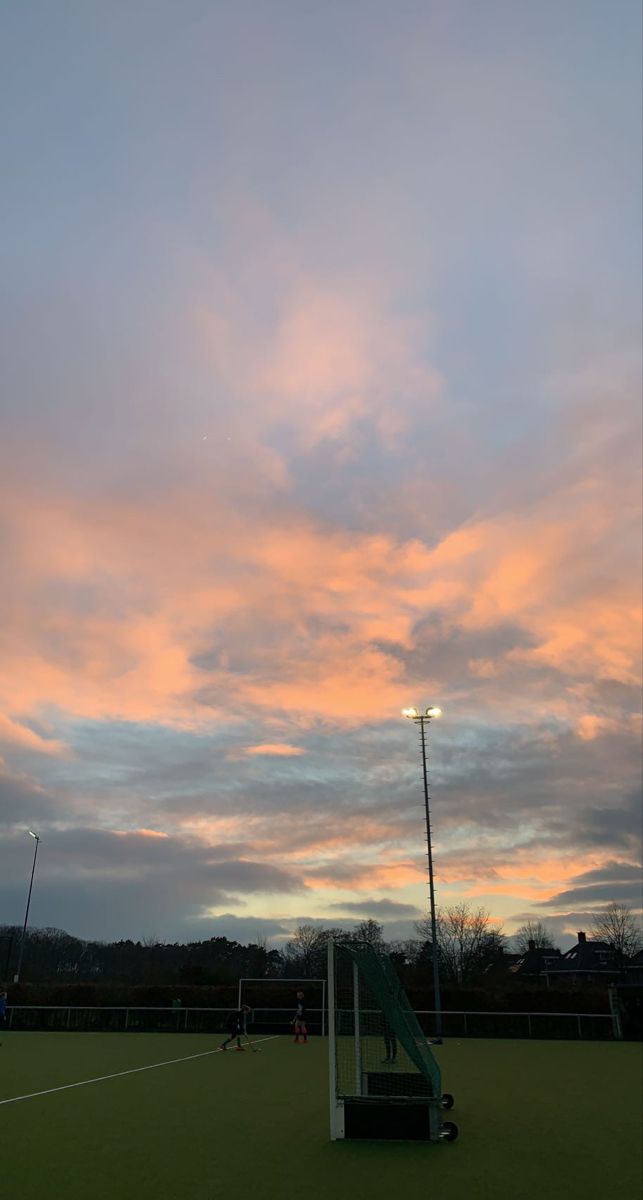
236,1025
390,1042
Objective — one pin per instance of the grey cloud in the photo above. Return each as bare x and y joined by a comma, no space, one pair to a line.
378,909
615,827
613,872
400,931
444,650
619,696
599,894
251,877
22,802
244,929
98,850
488,777
339,872
489,786
124,883
485,779
110,908
546,776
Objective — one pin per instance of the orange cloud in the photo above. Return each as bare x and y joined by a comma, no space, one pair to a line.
156,603
276,749
520,864
520,891
363,878
135,655
525,875
147,833
334,356
19,735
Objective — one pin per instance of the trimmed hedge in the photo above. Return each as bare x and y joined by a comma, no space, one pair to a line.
517,999
91,995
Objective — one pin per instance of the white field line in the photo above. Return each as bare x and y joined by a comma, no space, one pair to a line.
131,1071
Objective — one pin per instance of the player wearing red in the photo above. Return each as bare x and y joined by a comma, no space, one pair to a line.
299,1019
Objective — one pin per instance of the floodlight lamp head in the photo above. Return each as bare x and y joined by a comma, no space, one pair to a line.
411,713
33,835
433,711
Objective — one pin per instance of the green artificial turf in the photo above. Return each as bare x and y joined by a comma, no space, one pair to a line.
538,1121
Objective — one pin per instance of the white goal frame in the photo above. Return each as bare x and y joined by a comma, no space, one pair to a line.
298,985
336,1107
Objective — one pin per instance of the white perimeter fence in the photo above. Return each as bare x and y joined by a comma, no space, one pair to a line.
565,1026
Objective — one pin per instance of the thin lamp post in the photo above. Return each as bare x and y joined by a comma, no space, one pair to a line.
16,978
423,719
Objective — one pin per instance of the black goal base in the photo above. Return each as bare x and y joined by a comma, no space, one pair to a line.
387,1120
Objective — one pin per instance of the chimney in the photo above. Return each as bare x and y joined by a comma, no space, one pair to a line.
582,937
532,944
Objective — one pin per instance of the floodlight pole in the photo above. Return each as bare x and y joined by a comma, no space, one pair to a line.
16,978
423,719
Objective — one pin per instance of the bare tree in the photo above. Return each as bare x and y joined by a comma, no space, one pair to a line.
467,942
533,931
617,926
407,950
370,931
305,949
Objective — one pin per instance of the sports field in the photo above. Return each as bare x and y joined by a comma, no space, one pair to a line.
538,1121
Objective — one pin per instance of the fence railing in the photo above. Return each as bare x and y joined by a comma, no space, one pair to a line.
118,1019
550,1025
455,1024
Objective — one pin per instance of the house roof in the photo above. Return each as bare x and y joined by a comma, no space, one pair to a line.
533,962
586,956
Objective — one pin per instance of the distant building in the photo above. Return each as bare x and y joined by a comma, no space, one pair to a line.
535,963
586,963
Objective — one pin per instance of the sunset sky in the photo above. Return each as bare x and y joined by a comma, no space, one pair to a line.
321,376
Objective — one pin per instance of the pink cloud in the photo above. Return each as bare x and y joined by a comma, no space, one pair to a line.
334,355
277,749
20,735
159,579
139,609
144,833
366,877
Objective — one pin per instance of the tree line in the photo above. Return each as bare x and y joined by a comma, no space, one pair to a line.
472,950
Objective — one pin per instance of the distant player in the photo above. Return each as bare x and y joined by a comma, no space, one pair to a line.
299,1019
236,1026
390,1042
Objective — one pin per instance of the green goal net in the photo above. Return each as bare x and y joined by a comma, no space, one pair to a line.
384,1078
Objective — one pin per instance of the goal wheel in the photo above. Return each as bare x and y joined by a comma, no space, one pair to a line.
447,1100
448,1132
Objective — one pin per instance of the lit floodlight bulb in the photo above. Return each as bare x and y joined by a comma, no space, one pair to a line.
410,712
434,711
33,835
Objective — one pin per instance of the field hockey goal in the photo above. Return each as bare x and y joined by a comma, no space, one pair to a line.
273,1003
384,1080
